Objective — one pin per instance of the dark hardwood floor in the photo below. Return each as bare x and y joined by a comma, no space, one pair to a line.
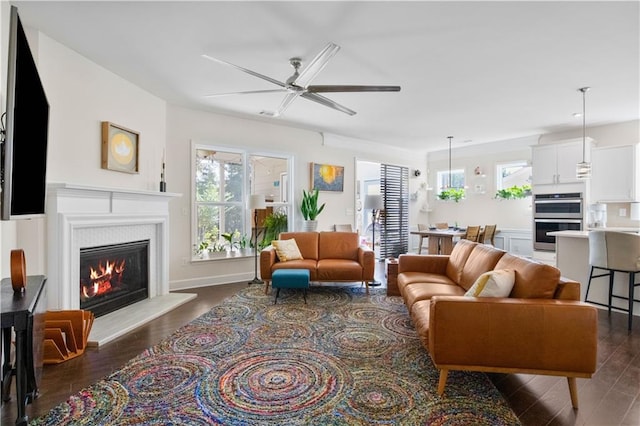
611,397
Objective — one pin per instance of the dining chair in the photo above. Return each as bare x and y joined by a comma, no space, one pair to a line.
423,238
488,233
473,232
442,225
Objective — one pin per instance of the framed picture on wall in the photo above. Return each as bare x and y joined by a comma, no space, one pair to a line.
120,147
325,177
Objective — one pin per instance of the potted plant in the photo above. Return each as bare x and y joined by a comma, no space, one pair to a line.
274,224
514,192
230,244
310,209
455,194
217,250
202,249
243,244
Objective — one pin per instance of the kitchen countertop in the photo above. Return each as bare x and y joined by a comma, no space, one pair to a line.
585,234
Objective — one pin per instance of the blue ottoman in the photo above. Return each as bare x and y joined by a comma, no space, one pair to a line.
290,278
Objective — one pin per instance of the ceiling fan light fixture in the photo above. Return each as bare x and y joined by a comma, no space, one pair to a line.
297,85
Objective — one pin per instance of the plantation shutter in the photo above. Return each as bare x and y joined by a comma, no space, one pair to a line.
394,220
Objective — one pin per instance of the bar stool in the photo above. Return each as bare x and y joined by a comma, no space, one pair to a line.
613,252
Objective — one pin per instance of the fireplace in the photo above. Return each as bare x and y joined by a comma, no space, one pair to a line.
80,216
113,276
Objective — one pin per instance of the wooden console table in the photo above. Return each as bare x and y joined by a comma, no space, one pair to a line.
23,314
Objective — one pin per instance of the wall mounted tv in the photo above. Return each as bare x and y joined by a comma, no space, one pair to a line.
24,150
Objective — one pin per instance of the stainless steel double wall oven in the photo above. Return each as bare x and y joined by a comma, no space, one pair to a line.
555,212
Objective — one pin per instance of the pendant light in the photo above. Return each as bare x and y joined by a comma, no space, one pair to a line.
583,168
449,137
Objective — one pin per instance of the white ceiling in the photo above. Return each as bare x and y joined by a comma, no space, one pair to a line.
480,71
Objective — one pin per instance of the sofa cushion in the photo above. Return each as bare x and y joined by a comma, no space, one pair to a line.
309,264
483,258
307,243
338,245
339,270
533,280
287,250
496,283
424,291
458,258
406,278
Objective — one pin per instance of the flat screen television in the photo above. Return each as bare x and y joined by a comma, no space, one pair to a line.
24,150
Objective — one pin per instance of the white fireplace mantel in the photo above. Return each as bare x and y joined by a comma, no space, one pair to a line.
81,216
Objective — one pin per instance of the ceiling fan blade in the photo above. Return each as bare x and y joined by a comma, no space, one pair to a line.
249,92
253,73
316,65
327,102
350,88
291,96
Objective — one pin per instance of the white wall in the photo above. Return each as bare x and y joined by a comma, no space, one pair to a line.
81,96
7,229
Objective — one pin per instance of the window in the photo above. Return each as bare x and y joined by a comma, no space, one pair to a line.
516,173
223,181
457,179
219,187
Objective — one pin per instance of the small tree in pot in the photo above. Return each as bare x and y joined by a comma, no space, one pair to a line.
310,209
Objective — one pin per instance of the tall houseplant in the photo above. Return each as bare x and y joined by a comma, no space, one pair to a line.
310,209
274,224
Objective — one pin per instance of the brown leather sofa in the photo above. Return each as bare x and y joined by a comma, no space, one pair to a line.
541,328
329,256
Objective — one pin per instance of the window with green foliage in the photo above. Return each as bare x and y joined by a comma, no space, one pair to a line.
223,182
454,191
219,183
513,180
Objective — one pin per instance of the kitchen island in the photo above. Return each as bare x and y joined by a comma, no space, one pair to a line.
572,258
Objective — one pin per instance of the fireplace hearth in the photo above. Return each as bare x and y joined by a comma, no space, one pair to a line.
113,276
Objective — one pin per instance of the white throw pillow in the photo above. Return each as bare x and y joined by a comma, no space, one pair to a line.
496,283
287,250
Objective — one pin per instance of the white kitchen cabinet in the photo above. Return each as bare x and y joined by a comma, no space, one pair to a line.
556,163
615,173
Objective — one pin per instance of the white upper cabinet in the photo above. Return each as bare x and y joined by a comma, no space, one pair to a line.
615,174
556,163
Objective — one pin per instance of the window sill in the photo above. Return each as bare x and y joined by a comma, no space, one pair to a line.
222,256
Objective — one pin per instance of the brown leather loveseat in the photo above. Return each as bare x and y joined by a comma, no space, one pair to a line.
540,328
329,256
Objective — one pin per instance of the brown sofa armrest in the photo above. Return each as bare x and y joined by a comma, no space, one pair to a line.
366,259
567,289
502,334
267,259
431,263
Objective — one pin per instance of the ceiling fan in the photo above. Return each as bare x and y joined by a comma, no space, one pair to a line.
299,83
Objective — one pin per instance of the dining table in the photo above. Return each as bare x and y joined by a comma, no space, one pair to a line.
440,240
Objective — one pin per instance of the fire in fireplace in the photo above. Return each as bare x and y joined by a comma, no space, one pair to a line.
113,276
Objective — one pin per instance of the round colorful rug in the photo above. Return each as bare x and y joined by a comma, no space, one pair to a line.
344,358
